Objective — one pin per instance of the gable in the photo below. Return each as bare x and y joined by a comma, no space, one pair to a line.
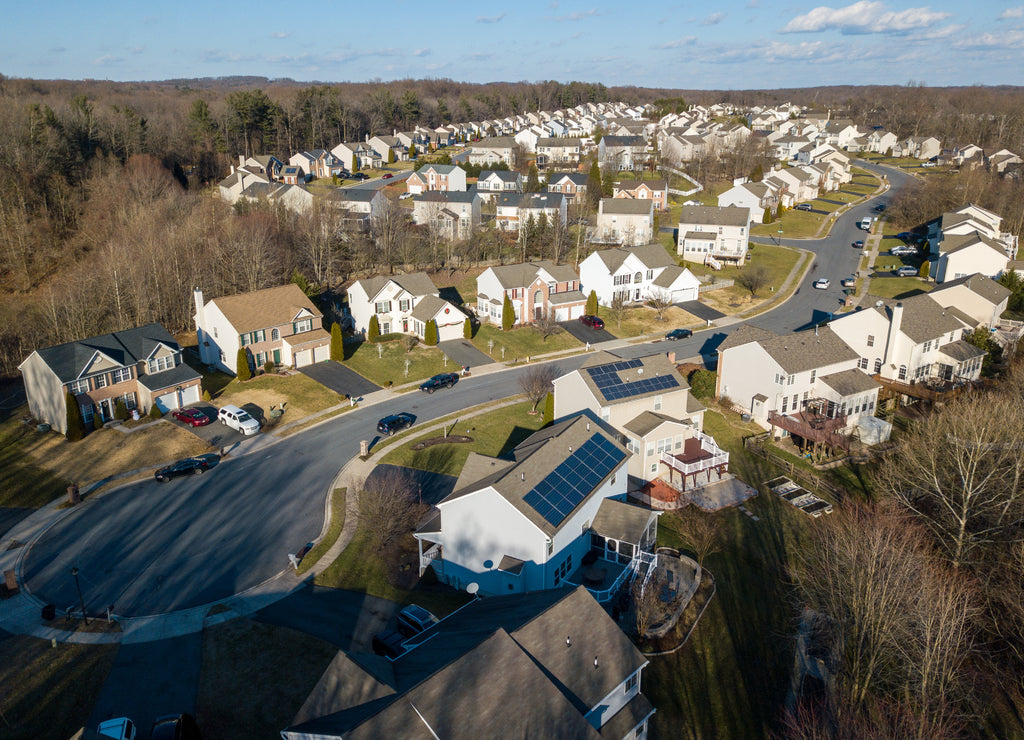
161,350
98,364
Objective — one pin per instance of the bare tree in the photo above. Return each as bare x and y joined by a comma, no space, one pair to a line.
537,382
388,229
389,506
660,302
617,309
702,531
754,278
547,326
646,603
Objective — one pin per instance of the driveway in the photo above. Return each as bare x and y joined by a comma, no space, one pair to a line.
464,354
586,333
701,310
339,378
215,433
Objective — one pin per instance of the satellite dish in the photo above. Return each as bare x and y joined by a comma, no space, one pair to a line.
472,588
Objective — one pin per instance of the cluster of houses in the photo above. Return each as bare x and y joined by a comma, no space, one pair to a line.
971,240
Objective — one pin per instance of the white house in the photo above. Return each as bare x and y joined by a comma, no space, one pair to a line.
978,297
753,196
637,274
708,234
513,209
624,221
403,304
454,214
535,290
496,182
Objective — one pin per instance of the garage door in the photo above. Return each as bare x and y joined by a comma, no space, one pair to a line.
321,353
303,358
561,314
190,395
575,312
167,402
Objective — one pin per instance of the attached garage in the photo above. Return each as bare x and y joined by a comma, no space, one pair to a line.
320,354
176,399
303,358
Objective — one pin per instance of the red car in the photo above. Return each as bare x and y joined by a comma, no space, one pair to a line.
592,321
387,176
192,417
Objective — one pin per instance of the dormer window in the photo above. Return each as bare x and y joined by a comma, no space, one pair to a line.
159,364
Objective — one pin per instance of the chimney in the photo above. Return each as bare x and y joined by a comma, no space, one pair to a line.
241,160
672,357
894,329
197,296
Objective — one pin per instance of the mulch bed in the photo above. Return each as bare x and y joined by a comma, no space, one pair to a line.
686,621
450,439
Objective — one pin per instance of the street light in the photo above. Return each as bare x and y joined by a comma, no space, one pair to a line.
74,573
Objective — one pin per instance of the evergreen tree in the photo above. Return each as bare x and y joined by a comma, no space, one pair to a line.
242,371
373,330
430,334
155,413
757,174
120,410
355,163
391,155
532,181
925,267
337,343
467,328
76,429
594,188
767,218
412,151
97,420
508,314
591,308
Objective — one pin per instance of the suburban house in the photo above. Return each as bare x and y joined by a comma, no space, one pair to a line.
918,147
232,186
708,234
403,304
279,325
453,213
436,177
652,190
496,182
390,148
293,175
625,222
492,150
621,152
318,163
636,274
535,289
266,164
569,184
881,141
556,151
356,153
800,182
359,206
525,523
685,148
976,296
560,667
140,367
648,402
513,209
753,196
970,240
811,384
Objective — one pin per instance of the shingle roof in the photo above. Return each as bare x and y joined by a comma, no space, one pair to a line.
807,350
126,348
849,382
523,274
646,422
175,376
745,334
634,184
652,366
984,286
961,351
624,141
923,318
416,283
727,216
626,206
429,306
263,308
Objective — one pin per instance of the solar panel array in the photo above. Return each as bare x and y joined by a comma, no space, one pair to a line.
607,380
566,486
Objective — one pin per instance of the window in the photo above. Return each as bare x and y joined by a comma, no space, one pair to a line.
796,399
122,374
215,332
382,307
261,359
871,340
403,305
665,445
903,372
222,358
638,277
80,386
307,324
275,335
605,414
657,403
87,410
779,379
129,400
260,335
563,569
804,399
790,380
159,364
245,339
785,402
650,449
632,682
654,467
100,381
620,280
878,365
927,345
650,274
862,363
814,374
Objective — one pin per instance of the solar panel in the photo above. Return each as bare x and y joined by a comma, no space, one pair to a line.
562,490
607,380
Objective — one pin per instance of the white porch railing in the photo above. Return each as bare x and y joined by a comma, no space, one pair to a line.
707,444
426,558
642,560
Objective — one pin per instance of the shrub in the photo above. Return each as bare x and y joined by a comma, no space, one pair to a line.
337,343
268,366
242,370
76,429
391,156
207,397
373,330
702,383
430,336
120,410
409,342
923,272
767,217
155,413
592,304
467,328
508,314
97,420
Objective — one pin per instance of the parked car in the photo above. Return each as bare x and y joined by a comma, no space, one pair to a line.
388,643
848,282
121,728
859,244
902,251
238,419
593,322
395,423
906,271
802,207
387,176
679,334
444,380
928,164
904,235
188,466
175,727
192,417
822,283
880,208
414,619
405,196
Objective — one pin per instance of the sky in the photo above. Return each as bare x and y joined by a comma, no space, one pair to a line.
726,44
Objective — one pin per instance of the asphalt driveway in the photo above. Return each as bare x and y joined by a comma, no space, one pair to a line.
464,354
701,310
586,333
339,378
215,433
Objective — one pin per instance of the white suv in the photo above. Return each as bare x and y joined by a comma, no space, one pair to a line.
238,419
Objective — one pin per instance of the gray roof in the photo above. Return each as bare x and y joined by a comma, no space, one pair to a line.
447,196
651,256
503,175
923,318
807,350
727,216
428,307
961,351
177,375
356,195
627,206
622,521
531,200
611,141
566,296
577,178
556,141
700,235
69,360
984,286
646,422
523,274
849,382
653,366
634,184
441,169
956,242
417,283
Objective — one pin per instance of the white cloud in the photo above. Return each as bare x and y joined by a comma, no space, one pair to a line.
713,20
865,16
678,43
1011,13
421,52
990,41
280,34
490,18
577,16
817,52
107,60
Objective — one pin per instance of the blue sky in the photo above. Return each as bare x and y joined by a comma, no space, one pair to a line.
728,44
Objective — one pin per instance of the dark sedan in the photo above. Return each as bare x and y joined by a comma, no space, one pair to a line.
679,334
592,321
859,244
188,466
444,380
395,423
192,417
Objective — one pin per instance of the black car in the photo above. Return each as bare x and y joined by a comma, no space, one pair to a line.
395,423
188,466
176,727
679,334
388,643
859,244
444,380
880,208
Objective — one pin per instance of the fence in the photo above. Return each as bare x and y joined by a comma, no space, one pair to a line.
758,444
704,288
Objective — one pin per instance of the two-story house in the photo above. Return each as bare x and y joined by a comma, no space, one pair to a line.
453,214
318,163
140,367
752,196
436,177
624,221
566,671
655,191
496,182
556,151
403,304
513,209
279,325
637,274
494,149
571,185
970,240
535,290
708,234
390,148
621,152
359,206
357,154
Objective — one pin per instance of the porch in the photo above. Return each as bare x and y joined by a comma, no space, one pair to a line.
604,572
819,422
701,457
934,389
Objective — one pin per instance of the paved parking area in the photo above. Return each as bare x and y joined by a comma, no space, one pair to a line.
464,354
701,310
586,333
215,433
339,378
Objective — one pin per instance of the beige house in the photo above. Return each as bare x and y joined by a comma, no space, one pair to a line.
140,367
624,221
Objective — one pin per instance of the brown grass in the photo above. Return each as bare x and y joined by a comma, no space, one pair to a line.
46,691
255,677
303,394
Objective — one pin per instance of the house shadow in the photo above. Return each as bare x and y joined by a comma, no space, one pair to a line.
514,439
451,294
818,318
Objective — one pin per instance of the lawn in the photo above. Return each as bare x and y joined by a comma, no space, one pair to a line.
521,342
795,224
897,287
493,433
255,677
778,261
641,320
385,362
303,395
49,692
23,481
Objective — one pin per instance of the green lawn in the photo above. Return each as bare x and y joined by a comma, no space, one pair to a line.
795,224
521,342
303,394
22,483
897,287
384,362
493,433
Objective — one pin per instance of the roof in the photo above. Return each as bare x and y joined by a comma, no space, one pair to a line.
262,308
982,285
849,382
646,422
636,710
700,235
415,283
961,351
566,296
429,306
531,200
727,216
807,350
69,360
577,178
503,175
957,242
175,376
923,318
441,169
360,195
634,184
651,256
627,207
623,141
613,380
523,274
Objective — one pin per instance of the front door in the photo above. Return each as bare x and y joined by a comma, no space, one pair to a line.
277,357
